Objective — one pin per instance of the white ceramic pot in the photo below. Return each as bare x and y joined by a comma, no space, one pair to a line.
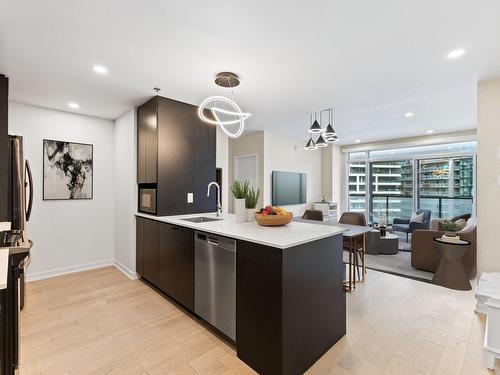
251,212
240,210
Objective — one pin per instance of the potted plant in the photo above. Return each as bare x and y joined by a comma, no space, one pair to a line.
240,191
382,224
450,228
251,202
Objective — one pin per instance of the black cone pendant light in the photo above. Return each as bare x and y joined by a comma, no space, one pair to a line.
325,136
320,142
315,127
310,145
330,132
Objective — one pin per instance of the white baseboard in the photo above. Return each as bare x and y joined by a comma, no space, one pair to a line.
131,274
65,270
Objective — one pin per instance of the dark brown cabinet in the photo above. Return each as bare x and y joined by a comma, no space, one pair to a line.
151,251
177,263
176,156
147,143
165,258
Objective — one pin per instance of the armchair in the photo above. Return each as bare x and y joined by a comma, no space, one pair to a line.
405,226
425,254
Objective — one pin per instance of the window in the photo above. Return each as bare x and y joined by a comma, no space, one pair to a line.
391,189
446,186
357,186
396,182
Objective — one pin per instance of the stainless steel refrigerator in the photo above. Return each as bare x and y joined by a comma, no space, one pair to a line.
21,197
20,202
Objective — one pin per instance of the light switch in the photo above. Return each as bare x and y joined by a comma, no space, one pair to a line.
498,180
190,198
498,152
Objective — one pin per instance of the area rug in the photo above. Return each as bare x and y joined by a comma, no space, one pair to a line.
398,264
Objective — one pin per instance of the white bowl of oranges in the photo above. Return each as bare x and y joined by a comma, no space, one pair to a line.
270,216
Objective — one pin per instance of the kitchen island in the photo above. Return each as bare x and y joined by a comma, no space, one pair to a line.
290,301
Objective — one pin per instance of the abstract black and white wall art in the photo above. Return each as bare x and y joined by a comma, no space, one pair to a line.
67,170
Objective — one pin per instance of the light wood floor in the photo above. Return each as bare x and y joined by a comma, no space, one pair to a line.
101,322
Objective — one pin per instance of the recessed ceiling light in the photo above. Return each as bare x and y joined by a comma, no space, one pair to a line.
99,69
73,105
430,131
456,53
357,141
409,114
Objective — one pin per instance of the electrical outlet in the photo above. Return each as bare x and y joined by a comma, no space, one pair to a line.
190,197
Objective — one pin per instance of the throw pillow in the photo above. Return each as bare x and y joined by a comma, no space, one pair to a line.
470,224
417,218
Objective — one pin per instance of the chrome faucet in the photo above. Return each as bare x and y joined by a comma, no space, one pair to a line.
219,206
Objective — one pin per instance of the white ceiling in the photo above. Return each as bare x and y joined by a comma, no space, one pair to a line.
372,60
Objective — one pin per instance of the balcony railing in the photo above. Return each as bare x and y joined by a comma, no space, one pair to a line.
391,205
445,207
401,206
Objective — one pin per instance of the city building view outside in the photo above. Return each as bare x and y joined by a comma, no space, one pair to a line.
443,185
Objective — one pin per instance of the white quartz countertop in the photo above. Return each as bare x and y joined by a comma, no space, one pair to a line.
4,267
283,237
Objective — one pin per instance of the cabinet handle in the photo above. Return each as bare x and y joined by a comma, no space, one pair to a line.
175,228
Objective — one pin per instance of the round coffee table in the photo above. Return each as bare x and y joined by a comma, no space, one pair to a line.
388,244
450,272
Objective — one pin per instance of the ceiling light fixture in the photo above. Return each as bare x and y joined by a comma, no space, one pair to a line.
357,141
330,132
430,131
218,113
231,114
456,53
227,80
73,105
100,69
310,145
315,127
408,114
320,142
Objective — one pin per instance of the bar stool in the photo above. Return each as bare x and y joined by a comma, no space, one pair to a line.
354,218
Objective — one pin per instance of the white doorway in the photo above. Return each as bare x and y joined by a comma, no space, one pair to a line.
245,168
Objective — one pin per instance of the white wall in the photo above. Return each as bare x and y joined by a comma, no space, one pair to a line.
488,170
288,154
125,192
333,171
68,235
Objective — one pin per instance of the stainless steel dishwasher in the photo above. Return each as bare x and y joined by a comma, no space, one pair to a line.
215,281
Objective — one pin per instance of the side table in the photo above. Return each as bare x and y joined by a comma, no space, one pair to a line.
450,272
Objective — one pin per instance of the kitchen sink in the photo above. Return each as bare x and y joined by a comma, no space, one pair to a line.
200,219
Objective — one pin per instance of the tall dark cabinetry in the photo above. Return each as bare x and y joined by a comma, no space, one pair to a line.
176,156
4,149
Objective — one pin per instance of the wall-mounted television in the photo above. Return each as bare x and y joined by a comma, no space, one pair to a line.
289,188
